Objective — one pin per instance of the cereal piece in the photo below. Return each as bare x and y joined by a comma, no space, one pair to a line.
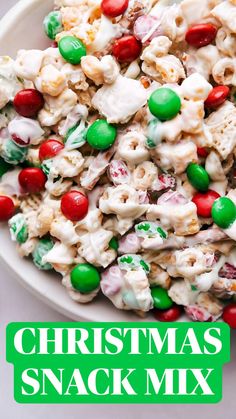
191,262
221,125
144,175
225,12
113,101
122,200
131,147
201,61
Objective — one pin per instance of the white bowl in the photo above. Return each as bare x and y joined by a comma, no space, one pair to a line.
22,28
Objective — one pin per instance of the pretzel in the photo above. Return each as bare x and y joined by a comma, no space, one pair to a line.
221,125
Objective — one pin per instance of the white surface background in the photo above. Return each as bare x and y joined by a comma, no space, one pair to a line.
16,304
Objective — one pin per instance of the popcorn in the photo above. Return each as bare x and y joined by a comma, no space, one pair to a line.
67,164
9,84
202,60
100,72
57,108
50,81
113,101
181,217
64,230
127,291
175,156
27,130
195,87
28,63
207,308
160,65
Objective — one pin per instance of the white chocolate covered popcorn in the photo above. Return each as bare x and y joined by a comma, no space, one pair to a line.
100,72
113,101
160,65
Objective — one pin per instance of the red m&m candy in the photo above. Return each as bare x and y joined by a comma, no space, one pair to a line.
217,96
74,205
202,152
28,102
32,180
7,208
114,8
204,202
170,315
127,49
49,149
229,315
201,35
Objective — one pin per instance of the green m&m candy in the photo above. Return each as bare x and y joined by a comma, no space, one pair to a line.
113,244
4,167
161,299
12,153
85,278
53,24
101,135
224,212
154,133
18,228
41,249
72,49
164,104
198,177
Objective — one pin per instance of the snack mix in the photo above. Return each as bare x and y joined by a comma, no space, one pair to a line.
118,148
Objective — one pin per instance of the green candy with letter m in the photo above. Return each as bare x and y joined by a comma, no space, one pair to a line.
140,362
